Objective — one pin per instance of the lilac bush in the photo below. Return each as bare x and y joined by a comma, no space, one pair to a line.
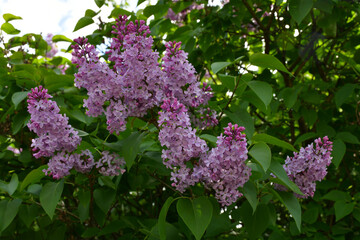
132,85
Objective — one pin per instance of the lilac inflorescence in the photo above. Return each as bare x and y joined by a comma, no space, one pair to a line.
205,118
53,130
182,144
84,161
180,74
309,166
110,164
59,165
224,168
135,83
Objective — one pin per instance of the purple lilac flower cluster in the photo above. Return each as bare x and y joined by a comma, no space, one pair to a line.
308,166
57,139
53,130
180,74
223,168
110,164
136,83
182,144
204,118
133,86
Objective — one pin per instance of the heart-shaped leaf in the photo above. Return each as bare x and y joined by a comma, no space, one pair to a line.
11,187
104,198
196,214
8,211
342,209
50,196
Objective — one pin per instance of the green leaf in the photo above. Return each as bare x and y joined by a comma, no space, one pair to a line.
299,9
113,226
273,140
54,82
324,5
131,147
162,218
99,3
9,17
250,194
8,211
243,118
107,181
342,209
263,90
339,149
33,177
196,214
9,29
304,137
343,94
50,196
228,81
81,133
119,11
84,204
311,215
61,38
267,61
28,213
208,137
218,66
18,97
348,137
158,10
337,195
19,121
290,96
293,205
83,22
90,13
82,117
11,187
90,232
255,223
262,154
172,233
104,198
277,169
140,2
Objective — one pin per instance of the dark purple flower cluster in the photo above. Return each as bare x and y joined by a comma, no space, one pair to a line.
309,166
57,139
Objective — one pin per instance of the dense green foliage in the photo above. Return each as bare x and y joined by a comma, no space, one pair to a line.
287,71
